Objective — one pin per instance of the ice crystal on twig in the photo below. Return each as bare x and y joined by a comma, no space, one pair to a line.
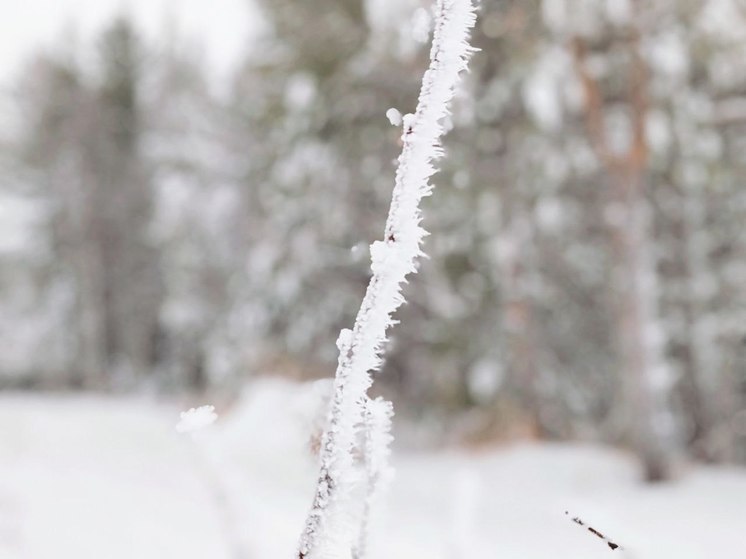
195,419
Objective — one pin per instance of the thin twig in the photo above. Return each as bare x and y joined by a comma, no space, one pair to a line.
577,520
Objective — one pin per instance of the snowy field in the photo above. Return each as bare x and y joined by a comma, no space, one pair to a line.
85,478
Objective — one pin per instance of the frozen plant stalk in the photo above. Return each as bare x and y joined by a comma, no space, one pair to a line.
376,450
331,527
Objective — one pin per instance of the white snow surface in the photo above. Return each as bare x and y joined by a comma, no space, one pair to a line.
92,477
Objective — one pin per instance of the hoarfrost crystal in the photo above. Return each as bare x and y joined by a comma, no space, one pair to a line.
394,117
195,419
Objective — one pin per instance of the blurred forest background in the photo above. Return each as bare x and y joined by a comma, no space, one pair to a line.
587,270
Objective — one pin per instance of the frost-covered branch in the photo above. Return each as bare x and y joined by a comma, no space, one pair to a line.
330,529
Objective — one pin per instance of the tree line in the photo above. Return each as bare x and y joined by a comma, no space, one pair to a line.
587,278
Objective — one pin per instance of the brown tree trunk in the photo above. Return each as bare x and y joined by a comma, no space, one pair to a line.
635,291
639,336
518,319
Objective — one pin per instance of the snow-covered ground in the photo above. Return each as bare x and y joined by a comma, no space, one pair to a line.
94,477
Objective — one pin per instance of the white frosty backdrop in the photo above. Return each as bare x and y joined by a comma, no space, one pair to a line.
222,33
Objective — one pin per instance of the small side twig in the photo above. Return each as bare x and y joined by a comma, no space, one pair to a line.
577,520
